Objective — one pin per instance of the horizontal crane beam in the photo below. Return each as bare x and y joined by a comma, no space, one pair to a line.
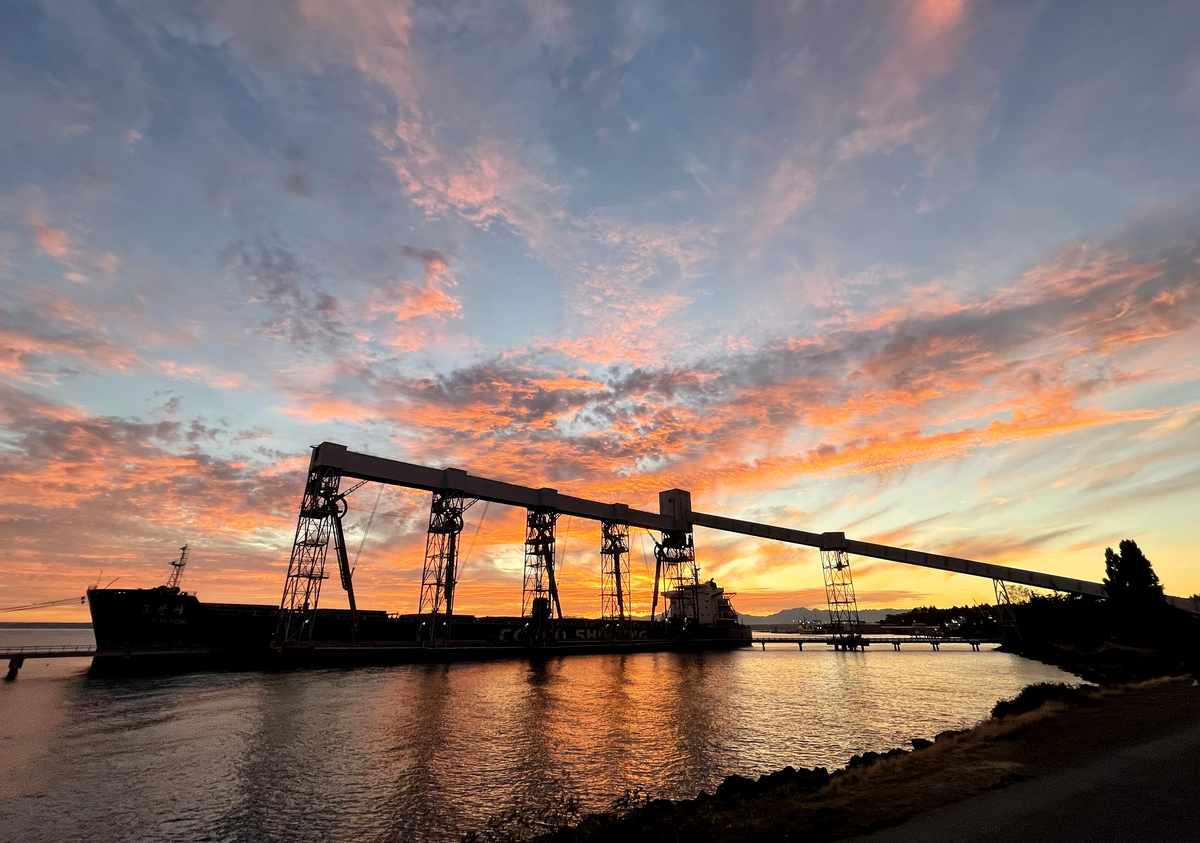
396,473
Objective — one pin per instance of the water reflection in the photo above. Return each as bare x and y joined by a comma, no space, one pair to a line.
426,752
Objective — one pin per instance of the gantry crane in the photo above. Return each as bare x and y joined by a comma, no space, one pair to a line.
454,490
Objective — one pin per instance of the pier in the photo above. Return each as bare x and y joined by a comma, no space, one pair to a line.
16,656
861,642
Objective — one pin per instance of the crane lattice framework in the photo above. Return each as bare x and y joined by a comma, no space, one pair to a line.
306,568
439,574
614,570
839,597
675,564
323,506
539,589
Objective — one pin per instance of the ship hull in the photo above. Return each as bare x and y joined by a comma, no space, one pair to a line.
164,631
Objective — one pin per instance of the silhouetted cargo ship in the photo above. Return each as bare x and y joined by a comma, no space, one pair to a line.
165,630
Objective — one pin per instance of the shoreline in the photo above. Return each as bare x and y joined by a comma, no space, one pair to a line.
883,790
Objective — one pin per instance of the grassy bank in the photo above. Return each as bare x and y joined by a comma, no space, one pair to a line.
880,791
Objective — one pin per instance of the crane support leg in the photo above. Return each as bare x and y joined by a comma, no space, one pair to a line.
657,578
339,545
306,568
839,595
614,569
539,591
553,587
440,573
675,556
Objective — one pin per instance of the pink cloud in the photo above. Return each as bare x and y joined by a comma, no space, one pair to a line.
55,242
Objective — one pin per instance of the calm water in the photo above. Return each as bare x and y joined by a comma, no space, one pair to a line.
430,752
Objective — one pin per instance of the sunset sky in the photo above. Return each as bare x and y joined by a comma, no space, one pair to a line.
924,271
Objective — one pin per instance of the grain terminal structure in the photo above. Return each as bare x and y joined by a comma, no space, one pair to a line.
165,628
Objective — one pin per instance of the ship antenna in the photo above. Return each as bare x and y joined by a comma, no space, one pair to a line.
177,574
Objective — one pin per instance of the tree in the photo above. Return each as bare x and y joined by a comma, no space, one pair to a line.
1129,577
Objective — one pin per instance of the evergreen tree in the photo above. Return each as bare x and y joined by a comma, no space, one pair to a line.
1129,577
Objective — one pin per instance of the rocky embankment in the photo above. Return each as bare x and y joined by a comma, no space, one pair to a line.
803,780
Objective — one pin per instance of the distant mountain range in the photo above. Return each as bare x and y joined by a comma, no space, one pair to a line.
814,616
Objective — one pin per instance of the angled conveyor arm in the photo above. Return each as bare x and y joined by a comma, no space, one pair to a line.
838,541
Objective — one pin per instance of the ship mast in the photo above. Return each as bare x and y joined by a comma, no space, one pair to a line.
177,565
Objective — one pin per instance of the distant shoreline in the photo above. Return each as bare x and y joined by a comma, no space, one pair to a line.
42,625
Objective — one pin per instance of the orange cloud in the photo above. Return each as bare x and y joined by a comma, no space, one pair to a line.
411,301
332,409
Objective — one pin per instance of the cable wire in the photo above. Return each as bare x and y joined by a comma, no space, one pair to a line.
474,536
368,529
645,563
562,546
43,605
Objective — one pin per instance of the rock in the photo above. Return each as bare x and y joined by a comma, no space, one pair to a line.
949,733
810,780
779,778
735,785
864,760
921,743
801,781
